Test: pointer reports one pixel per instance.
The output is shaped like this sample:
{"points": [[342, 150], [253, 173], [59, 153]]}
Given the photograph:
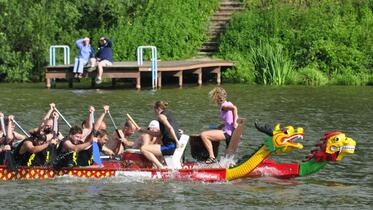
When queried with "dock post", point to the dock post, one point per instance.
{"points": [[199, 72], [217, 71], [160, 79]]}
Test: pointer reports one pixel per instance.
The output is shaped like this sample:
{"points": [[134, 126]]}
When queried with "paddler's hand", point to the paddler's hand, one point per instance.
{"points": [[53, 141], [56, 115], [7, 148], [235, 124], [52, 105], [123, 141], [91, 109], [48, 137], [178, 145], [106, 109], [11, 117], [60, 136], [1, 114]]}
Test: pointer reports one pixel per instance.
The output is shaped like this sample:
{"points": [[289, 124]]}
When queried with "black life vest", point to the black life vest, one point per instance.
{"points": [[41, 158], [167, 138]]}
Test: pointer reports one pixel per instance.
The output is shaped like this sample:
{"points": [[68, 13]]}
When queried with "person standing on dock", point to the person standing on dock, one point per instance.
{"points": [[104, 57], [229, 116], [85, 54]]}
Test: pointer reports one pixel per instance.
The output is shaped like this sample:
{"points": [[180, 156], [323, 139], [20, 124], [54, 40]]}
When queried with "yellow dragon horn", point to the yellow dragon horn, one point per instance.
{"points": [[277, 127]]}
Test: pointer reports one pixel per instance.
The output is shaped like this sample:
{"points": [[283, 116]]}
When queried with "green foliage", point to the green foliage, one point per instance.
{"points": [[333, 35], [272, 66], [241, 72], [176, 27], [312, 77], [347, 77]]}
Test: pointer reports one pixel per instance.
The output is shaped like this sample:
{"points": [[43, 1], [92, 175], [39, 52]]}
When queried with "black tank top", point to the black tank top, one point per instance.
{"points": [[28, 158], [167, 138]]}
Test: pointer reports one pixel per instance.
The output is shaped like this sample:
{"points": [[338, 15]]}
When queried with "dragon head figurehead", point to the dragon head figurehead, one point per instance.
{"points": [[283, 139], [334, 146]]}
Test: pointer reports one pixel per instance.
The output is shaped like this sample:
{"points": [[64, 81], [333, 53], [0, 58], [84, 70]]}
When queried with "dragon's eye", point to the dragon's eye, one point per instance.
{"points": [[337, 139], [286, 132]]}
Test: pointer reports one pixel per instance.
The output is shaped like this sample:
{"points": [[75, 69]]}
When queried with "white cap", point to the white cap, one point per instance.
{"points": [[154, 124]]}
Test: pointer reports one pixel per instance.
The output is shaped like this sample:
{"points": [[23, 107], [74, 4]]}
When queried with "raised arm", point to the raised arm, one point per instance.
{"points": [[10, 129], [48, 114], [101, 118], [89, 123], [1, 126], [79, 43]]}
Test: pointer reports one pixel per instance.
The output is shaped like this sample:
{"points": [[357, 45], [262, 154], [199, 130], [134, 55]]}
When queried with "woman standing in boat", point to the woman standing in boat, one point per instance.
{"points": [[169, 132], [229, 116]]}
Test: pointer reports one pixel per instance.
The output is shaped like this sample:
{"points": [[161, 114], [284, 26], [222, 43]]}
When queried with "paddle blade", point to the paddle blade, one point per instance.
{"points": [[96, 153]]}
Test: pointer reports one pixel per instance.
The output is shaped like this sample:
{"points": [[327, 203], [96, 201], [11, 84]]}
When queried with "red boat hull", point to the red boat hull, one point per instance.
{"points": [[136, 165]]}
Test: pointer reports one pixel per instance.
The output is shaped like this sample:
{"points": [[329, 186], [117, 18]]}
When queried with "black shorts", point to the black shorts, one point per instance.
{"points": [[168, 149], [227, 139]]}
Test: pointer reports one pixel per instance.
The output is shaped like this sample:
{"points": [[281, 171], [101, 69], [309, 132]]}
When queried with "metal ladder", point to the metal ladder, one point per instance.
{"points": [[52, 57], [154, 65], [52, 54]]}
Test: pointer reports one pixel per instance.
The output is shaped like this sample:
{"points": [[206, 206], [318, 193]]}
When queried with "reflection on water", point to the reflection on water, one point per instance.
{"points": [[346, 184]]}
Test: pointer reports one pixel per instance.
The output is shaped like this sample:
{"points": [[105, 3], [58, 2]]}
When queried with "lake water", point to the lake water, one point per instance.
{"points": [[343, 185]]}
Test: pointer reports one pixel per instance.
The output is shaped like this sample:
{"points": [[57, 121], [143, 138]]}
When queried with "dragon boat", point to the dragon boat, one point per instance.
{"points": [[134, 164], [334, 146]]}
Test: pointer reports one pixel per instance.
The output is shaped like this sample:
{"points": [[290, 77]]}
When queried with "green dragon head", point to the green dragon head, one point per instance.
{"points": [[333, 147], [283, 139]]}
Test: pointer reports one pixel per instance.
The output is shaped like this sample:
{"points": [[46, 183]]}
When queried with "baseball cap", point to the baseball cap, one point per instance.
{"points": [[153, 124]]}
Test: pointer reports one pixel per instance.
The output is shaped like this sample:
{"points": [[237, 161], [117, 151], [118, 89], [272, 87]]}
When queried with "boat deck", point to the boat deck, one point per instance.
{"points": [[130, 69]]}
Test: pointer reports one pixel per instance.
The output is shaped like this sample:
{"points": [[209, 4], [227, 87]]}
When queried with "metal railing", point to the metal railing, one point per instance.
{"points": [[154, 65], [52, 54]]}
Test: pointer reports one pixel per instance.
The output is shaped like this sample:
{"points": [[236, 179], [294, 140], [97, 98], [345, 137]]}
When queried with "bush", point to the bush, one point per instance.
{"points": [[271, 64], [241, 72], [347, 77], [176, 27], [334, 35], [312, 77]]}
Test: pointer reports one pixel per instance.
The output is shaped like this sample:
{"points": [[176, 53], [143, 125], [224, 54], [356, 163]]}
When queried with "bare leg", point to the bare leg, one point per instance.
{"points": [[100, 69], [209, 136], [150, 152]]}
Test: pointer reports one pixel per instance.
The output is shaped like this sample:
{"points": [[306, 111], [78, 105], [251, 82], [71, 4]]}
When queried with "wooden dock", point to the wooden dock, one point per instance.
{"points": [[131, 70]]}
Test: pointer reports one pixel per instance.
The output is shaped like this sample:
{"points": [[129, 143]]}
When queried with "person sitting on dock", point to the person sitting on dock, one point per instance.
{"points": [[84, 55], [229, 116], [104, 57], [169, 133]]}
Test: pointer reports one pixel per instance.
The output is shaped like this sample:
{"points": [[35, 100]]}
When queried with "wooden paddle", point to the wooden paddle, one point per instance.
{"points": [[23, 131], [59, 113], [133, 121], [120, 134]]}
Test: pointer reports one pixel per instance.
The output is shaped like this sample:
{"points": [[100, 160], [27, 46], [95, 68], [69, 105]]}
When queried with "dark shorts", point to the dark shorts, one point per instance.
{"points": [[227, 139], [168, 149]]}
